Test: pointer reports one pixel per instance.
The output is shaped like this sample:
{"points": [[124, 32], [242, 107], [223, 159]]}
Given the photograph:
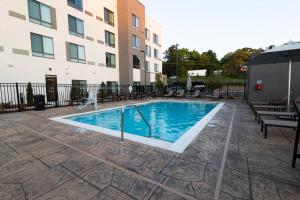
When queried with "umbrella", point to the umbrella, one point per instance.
{"points": [[188, 83], [287, 51]]}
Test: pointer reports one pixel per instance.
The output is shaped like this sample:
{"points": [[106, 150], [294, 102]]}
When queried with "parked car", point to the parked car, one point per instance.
{"points": [[199, 85]]}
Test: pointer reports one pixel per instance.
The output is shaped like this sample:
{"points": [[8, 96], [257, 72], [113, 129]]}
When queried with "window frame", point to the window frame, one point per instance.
{"points": [[156, 66], [76, 27], [156, 53], [147, 35], [42, 54], [155, 38], [136, 65], [148, 51], [73, 5], [77, 60], [135, 21], [40, 21], [107, 21], [108, 60], [109, 43], [136, 40]]}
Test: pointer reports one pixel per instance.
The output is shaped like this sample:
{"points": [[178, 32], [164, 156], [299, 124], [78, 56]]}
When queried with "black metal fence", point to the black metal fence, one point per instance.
{"points": [[17, 97]]}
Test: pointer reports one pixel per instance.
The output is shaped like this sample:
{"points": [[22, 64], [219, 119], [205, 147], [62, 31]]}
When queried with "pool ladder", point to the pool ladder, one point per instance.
{"points": [[122, 119]]}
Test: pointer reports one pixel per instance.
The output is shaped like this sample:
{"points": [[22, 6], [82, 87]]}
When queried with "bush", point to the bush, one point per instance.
{"points": [[29, 94], [159, 84], [214, 83]]}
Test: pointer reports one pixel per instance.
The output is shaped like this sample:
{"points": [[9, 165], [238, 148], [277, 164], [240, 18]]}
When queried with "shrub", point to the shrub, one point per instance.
{"points": [[29, 94]]}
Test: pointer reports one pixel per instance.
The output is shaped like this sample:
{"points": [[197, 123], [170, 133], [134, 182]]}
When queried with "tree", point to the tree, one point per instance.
{"points": [[188, 60], [29, 94], [233, 61], [209, 61], [159, 84]]}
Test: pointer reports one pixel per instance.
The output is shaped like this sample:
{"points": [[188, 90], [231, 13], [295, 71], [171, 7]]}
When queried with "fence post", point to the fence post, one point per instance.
{"points": [[245, 91], [18, 97], [227, 92]]}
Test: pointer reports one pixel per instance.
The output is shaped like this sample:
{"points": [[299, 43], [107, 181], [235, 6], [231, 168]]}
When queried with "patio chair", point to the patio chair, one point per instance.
{"points": [[265, 123], [295, 152], [215, 95], [259, 114], [180, 93], [171, 93]]}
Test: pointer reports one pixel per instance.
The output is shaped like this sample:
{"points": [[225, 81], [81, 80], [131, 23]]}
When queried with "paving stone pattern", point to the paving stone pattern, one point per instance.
{"points": [[35, 167]]}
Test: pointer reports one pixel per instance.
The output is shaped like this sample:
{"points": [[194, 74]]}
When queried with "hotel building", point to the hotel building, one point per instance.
{"points": [[73, 41]]}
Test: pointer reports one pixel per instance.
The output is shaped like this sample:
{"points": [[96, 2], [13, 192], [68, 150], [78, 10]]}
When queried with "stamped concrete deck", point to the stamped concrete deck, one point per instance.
{"points": [[43, 159]]}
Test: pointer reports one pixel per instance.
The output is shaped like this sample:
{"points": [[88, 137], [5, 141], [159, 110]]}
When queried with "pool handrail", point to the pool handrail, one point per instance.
{"points": [[122, 120]]}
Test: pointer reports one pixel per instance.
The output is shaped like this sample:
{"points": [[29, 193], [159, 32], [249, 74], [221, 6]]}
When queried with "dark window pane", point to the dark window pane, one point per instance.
{"points": [[36, 43], [72, 24], [73, 51], [34, 9]]}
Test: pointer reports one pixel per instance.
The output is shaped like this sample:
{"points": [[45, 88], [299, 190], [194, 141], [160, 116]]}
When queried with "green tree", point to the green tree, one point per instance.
{"points": [[188, 60], [233, 61], [209, 61], [159, 83], [29, 94]]}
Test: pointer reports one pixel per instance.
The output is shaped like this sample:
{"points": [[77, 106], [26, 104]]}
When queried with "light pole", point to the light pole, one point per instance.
{"points": [[176, 66]]}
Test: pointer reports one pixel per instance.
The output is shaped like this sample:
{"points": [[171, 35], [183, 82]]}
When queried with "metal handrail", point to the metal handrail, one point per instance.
{"points": [[122, 120]]}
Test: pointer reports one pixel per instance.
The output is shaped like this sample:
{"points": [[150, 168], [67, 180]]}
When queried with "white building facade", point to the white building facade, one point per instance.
{"points": [[65, 40]]}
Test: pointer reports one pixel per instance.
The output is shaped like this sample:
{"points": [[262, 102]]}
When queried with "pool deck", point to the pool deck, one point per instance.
{"points": [[230, 159]]}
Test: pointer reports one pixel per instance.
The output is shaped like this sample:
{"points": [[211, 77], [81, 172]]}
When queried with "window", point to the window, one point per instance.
{"points": [[148, 65], [112, 87], [42, 46], [110, 60], [40, 13], [135, 21], [147, 34], [76, 53], [79, 90], [109, 17], [109, 39], [75, 4], [155, 39], [148, 51], [156, 53], [135, 41], [76, 26], [136, 62], [156, 67]]}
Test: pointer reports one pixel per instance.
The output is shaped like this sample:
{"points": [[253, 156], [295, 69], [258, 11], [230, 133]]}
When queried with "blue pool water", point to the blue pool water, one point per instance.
{"points": [[168, 120]]}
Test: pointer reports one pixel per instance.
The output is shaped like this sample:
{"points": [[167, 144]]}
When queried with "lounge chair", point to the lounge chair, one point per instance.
{"points": [[180, 93], [268, 107], [196, 94], [295, 152], [215, 95], [259, 114], [274, 102], [265, 123], [171, 93], [92, 99]]}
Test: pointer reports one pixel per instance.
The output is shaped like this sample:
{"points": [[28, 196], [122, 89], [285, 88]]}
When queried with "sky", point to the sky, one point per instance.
{"points": [[225, 25]]}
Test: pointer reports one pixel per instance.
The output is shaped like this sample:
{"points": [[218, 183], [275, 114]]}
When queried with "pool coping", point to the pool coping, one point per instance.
{"points": [[178, 146]]}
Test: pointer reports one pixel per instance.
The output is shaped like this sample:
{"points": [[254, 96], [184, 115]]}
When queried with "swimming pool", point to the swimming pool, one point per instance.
{"points": [[174, 124]]}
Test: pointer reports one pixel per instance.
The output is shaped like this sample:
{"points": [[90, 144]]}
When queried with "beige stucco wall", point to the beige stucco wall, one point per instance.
{"points": [[154, 27], [15, 33]]}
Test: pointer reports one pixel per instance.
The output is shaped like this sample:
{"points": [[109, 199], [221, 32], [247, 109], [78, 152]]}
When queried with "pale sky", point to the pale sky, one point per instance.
{"points": [[226, 25]]}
